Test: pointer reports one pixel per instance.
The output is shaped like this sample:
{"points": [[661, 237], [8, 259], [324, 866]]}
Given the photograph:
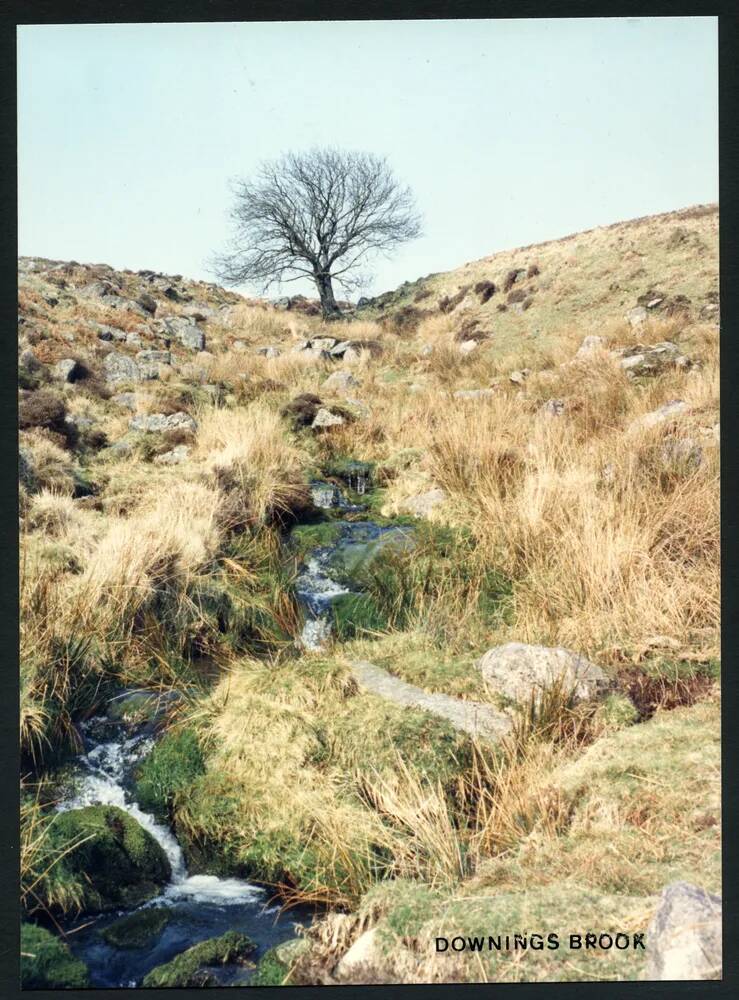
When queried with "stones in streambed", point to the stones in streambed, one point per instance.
{"points": [[115, 862], [138, 706], [684, 937], [479, 720], [517, 672], [191, 967], [137, 929], [47, 963]]}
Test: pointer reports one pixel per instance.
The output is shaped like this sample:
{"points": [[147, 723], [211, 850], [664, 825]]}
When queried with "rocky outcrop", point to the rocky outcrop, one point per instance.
{"points": [[517, 671], [684, 937], [653, 359], [123, 368]]}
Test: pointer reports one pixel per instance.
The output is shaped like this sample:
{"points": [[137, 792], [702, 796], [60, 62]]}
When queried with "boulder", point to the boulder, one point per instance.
{"points": [[156, 357], [159, 423], [67, 370], [517, 671], [176, 456], [123, 368], [591, 345], [684, 937], [186, 331], [109, 333], [192, 966], [340, 381], [128, 400], [325, 418], [641, 360], [468, 346], [422, 504], [117, 863], [339, 349], [519, 377], [668, 411], [324, 343], [365, 953], [636, 316], [147, 302]]}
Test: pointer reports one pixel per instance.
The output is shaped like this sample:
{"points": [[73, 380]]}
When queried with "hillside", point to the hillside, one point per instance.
{"points": [[427, 599]]}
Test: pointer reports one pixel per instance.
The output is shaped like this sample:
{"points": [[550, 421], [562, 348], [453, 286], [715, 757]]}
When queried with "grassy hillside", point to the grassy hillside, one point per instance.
{"points": [[559, 496]]}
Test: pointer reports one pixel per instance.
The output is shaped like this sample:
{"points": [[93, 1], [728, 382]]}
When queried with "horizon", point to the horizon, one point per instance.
{"points": [[488, 121]]}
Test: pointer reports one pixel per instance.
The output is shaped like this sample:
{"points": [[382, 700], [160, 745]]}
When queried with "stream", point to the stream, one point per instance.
{"points": [[206, 906], [202, 906]]}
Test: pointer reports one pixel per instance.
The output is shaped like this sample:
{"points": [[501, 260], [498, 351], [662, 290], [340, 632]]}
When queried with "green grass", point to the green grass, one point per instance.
{"points": [[47, 963], [173, 764]]}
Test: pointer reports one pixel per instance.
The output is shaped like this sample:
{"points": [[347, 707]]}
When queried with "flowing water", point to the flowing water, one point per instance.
{"points": [[202, 906], [321, 578]]}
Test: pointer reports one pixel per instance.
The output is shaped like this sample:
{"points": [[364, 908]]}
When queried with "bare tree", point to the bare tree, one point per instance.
{"points": [[317, 214]]}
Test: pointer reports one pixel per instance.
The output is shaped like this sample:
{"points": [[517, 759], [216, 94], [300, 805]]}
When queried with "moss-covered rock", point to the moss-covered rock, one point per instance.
{"points": [[116, 861], [136, 930], [271, 971], [190, 967], [47, 963]]}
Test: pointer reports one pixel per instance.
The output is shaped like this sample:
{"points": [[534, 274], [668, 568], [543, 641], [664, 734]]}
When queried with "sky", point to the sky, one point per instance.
{"points": [[509, 132]]}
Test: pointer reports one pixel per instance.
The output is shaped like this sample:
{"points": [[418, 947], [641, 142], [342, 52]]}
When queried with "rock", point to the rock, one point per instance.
{"points": [[172, 294], [302, 409], [669, 411], [681, 454], [653, 303], [128, 400], [109, 333], [238, 345], [339, 349], [117, 863], [636, 316], [158, 423], [200, 313], [323, 343], [29, 360], [186, 331], [175, 457], [138, 929], [474, 393], [365, 952], [99, 290], [68, 370], [517, 671], [519, 377], [641, 360], [325, 418], [468, 346], [426, 351], [684, 937], [340, 381], [358, 408], [147, 302], [157, 357], [289, 951], [282, 304], [553, 408], [422, 504], [191, 967], [269, 352], [134, 339], [121, 449], [591, 345], [317, 354], [122, 368], [47, 963]]}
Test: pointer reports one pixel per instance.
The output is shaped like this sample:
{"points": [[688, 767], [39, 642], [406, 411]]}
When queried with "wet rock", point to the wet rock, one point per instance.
{"points": [[192, 966], [138, 929], [340, 381], [517, 671], [159, 423], [117, 863], [684, 937], [325, 418]]}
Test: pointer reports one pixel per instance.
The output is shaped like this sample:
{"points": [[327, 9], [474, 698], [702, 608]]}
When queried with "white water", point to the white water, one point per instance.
{"points": [[104, 768]]}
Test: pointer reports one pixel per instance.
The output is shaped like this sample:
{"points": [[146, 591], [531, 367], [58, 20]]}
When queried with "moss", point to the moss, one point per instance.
{"points": [[618, 711], [116, 861], [313, 536], [172, 765], [47, 963], [190, 967], [270, 971], [137, 930]]}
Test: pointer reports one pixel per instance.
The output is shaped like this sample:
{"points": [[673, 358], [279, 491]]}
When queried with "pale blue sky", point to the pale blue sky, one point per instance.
{"points": [[509, 132]]}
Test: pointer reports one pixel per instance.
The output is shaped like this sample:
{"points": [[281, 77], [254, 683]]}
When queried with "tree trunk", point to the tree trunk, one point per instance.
{"points": [[326, 294]]}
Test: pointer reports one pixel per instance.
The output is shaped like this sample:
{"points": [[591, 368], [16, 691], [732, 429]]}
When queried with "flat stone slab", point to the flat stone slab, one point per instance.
{"points": [[471, 717]]}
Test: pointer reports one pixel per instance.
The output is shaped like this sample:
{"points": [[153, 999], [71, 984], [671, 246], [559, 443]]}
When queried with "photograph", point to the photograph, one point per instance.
{"points": [[368, 502]]}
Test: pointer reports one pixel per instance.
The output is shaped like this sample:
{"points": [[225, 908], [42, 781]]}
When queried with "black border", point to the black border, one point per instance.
{"points": [[90, 11]]}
